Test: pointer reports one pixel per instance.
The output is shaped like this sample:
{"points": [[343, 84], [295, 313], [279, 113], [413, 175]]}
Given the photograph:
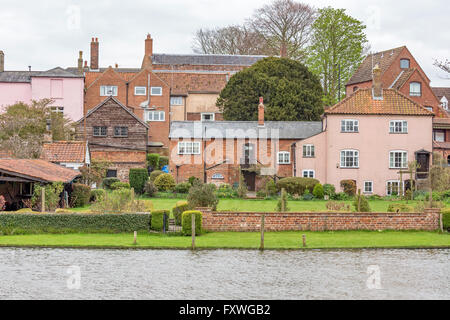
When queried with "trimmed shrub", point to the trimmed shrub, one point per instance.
{"points": [[150, 188], [107, 182], [226, 191], [97, 194], [329, 190], [296, 185], [120, 185], [363, 204], [202, 195], [73, 223], [80, 195], [318, 192], [446, 218], [163, 161], [182, 187], [153, 160], [178, 210], [165, 182], [154, 174], [158, 220], [349, 187], [186, 225], [138, 177], [400, 208]]}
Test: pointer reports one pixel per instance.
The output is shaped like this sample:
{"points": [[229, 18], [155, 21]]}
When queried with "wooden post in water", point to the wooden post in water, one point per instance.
{"points": [[304, 240], [43, 199], [135, 238], [263, 218], [193, 230]]}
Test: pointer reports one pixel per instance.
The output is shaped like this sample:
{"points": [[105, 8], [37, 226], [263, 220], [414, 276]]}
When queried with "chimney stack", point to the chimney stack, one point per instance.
{"points": [[80, 62], [261, 112], [377, 88], [94, 53], [147, 61], [2, 61]]}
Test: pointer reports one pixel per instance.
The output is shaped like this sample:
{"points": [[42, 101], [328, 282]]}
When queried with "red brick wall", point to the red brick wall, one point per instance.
{"points": [[320, 221]]}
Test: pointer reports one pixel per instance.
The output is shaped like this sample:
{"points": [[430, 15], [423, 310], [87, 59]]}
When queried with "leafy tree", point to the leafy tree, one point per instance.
{"points": [[337, 42], [52, 195], [290, 91]]}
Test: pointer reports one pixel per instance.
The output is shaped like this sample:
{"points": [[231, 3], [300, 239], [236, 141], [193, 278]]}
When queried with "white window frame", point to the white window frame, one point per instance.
{"points": [[343, 156], [178, 101], [309, 151], [285, 157], [415, 93], [371, 187], [140, 88], [57, 109], [429, 108], [398, 185], [152, 117], [105, 89], [444, 103], [208, 113], [308, 171], [188, 147], [156, 94], [393, 126], [100, 135], [403, 160], [345, 127]]}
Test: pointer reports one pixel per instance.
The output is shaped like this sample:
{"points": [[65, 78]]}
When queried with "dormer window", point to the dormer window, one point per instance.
{"points": [[415, 89], [404, 63]]}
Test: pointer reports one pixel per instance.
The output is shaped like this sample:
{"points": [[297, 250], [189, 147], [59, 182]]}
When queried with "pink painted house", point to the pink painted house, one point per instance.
{"points": [[63, 87], [369, 137]]}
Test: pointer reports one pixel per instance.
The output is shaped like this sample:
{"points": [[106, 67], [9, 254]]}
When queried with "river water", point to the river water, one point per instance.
{"points": [[224, 274]]}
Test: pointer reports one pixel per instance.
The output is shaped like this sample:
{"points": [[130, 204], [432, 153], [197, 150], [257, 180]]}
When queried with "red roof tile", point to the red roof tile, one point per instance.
{"points": [[64, 151], [393, 102], [38, 170]]}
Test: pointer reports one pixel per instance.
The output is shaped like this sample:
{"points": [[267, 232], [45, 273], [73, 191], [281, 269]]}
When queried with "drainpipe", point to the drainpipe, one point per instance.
{"points": [[294, 163]]}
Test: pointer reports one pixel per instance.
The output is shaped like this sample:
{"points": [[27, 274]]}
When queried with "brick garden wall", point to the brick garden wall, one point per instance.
{"points": [[320, 221]]}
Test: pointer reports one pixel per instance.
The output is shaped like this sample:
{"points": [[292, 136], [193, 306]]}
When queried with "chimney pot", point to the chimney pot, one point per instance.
{"points": [[94, 53], [261, 112]]}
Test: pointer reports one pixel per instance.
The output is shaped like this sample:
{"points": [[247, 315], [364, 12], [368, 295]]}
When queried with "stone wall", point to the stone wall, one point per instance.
{"points": [[320, 221]]}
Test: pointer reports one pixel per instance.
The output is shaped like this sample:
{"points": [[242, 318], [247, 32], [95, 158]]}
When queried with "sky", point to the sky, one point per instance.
{"points": [[50, 33]]}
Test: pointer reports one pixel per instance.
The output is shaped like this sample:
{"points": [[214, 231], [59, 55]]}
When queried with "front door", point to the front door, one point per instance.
{"points": [[423, 159], [250, 179]]}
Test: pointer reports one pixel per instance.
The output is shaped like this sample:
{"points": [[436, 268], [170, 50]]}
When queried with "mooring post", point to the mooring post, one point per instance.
{"points": [[304, 240], [261, 246], [42, 199], [193, 230], [135, 238]]}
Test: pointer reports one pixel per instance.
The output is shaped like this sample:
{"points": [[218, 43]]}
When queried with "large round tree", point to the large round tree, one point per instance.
{"points": [[290, 91]]}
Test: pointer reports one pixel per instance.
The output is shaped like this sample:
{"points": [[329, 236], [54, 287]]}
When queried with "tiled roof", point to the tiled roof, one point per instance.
{"points": [[120, 156], [183, 83], [441, 145], [38, 170], [402, 78], [441, 92], [25, 76], [441, 123], [384, 59], [64, 151], [393, 102], [205, 59]]}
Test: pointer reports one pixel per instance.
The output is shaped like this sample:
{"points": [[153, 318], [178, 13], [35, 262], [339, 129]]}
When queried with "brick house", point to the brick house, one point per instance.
{"points": [[217, 152], [70, 154], [370, 137], [400, 71], [115, 134], [167, 87], [441, 126]]}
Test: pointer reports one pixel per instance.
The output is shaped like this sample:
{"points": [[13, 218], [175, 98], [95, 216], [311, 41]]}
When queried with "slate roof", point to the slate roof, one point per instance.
{"points": [[38, 170], [383, 58], [25, 76], [205, 59], [393, 103], [64, 151], [244, 129]]}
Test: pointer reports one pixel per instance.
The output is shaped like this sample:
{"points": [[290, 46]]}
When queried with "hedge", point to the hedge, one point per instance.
{"points": [[97, 194], [73, 223], [138, 177], [153, 160], [178, 210], [80, 195], [400, 207], [297, 185], [120, 185], [186, 226], [158, 220], [154, 174], [446, 218], [107, 182]]}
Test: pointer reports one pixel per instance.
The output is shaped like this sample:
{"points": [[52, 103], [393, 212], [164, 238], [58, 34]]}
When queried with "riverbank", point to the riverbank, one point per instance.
{"points": [[237, 240]]}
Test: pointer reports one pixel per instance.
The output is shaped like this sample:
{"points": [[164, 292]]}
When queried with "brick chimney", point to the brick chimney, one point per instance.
{"points": [[94, 53], [261, 112], [2, 61], [147, 61], [377, 88], [80, 62]]}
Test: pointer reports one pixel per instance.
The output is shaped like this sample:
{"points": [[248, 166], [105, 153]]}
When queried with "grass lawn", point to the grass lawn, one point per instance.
{"points": [[250, 240]]}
